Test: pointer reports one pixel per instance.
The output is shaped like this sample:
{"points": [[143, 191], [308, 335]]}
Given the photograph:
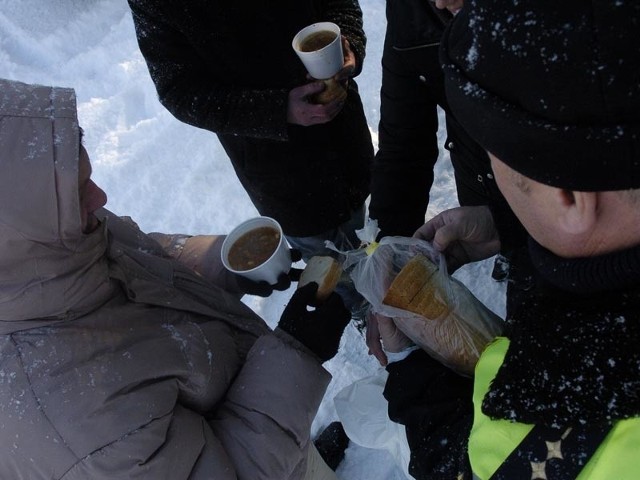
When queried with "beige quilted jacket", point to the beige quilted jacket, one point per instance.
{"points": [[117, 362]]}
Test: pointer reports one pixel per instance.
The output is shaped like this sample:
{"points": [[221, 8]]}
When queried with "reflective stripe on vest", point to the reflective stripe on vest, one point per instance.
{"points": [[492, 441]]}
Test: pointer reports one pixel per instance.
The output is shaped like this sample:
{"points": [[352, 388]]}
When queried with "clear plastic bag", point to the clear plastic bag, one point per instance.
{"points": [[457, 337]]}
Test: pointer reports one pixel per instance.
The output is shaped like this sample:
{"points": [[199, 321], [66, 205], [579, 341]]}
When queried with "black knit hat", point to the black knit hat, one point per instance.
{"points": [[551, 87]]}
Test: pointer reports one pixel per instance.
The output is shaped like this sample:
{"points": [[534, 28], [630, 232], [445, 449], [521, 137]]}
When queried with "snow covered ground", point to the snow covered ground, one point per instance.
{"points": [[172, 177]]}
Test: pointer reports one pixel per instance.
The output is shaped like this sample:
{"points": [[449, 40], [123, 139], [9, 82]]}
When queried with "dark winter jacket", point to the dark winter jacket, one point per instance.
{"points": [[412, 90], [228, 67], [572, 361]]}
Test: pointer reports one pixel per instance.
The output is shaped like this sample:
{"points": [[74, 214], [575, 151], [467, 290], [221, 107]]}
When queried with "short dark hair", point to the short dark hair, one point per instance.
{"points": [[81, 137]]}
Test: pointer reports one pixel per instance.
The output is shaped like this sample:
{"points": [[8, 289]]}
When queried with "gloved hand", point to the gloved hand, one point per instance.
{"points": [[463, 234], [320, 329], [264, 289], [383, 336]]}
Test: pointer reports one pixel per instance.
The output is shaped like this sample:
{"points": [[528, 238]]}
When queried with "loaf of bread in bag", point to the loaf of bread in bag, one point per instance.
{"points": [[418, 289], [323, 270]]}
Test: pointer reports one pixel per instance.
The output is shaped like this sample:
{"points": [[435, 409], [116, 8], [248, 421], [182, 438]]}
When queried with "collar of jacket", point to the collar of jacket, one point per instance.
{"points": [[613, 271], [573, 357], [415, 24]]}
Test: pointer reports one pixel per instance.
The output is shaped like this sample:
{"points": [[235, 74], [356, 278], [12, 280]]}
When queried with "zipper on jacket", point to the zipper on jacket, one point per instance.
{"points": [[417, 47]]}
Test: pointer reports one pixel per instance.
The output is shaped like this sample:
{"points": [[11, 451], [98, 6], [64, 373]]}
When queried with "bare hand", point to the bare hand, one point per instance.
{"points": [[349, 66], [463, 234], [300, 111], [372, 338], [452, 5], [383, 335]]}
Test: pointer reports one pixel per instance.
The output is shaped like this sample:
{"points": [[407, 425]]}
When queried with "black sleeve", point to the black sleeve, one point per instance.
{"points": [[435, 406], [402, 171], [412, 88], [191, 94]]}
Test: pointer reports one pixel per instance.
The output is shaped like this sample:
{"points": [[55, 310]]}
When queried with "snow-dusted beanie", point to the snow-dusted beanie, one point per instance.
{"points": [[552, 88]]}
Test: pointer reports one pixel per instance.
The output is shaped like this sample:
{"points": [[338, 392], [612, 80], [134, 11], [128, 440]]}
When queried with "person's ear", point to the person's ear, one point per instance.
{"points": [[578, 211]]}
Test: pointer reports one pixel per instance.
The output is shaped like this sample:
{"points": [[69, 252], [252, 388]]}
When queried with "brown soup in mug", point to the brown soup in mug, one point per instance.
{"points": [[253, 248], [317, 41]]}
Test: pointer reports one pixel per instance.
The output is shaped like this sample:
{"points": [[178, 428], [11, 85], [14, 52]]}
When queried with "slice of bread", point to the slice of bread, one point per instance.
{"points": [[429, 301], [323, 270], [333, 90], [417, 289]]}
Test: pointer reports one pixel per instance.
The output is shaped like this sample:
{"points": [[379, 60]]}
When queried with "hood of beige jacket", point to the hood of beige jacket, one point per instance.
{"points": [[49, 269]]}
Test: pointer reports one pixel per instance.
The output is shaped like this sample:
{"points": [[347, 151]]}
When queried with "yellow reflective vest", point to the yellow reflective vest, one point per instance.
{"points": [[492, 441]]}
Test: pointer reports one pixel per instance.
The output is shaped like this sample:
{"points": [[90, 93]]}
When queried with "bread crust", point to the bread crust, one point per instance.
{"points": [[333, 91], [418, 289], [325, 271]]}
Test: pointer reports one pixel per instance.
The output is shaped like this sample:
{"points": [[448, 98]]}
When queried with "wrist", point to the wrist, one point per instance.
{"points": [[393, 357]]}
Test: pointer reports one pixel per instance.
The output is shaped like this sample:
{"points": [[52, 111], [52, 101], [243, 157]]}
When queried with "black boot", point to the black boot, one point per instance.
{"points": [[331, 444]]}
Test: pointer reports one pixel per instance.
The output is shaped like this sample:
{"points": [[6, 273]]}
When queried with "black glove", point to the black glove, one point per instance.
{"points": [[319, 330], [264, 289]]}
